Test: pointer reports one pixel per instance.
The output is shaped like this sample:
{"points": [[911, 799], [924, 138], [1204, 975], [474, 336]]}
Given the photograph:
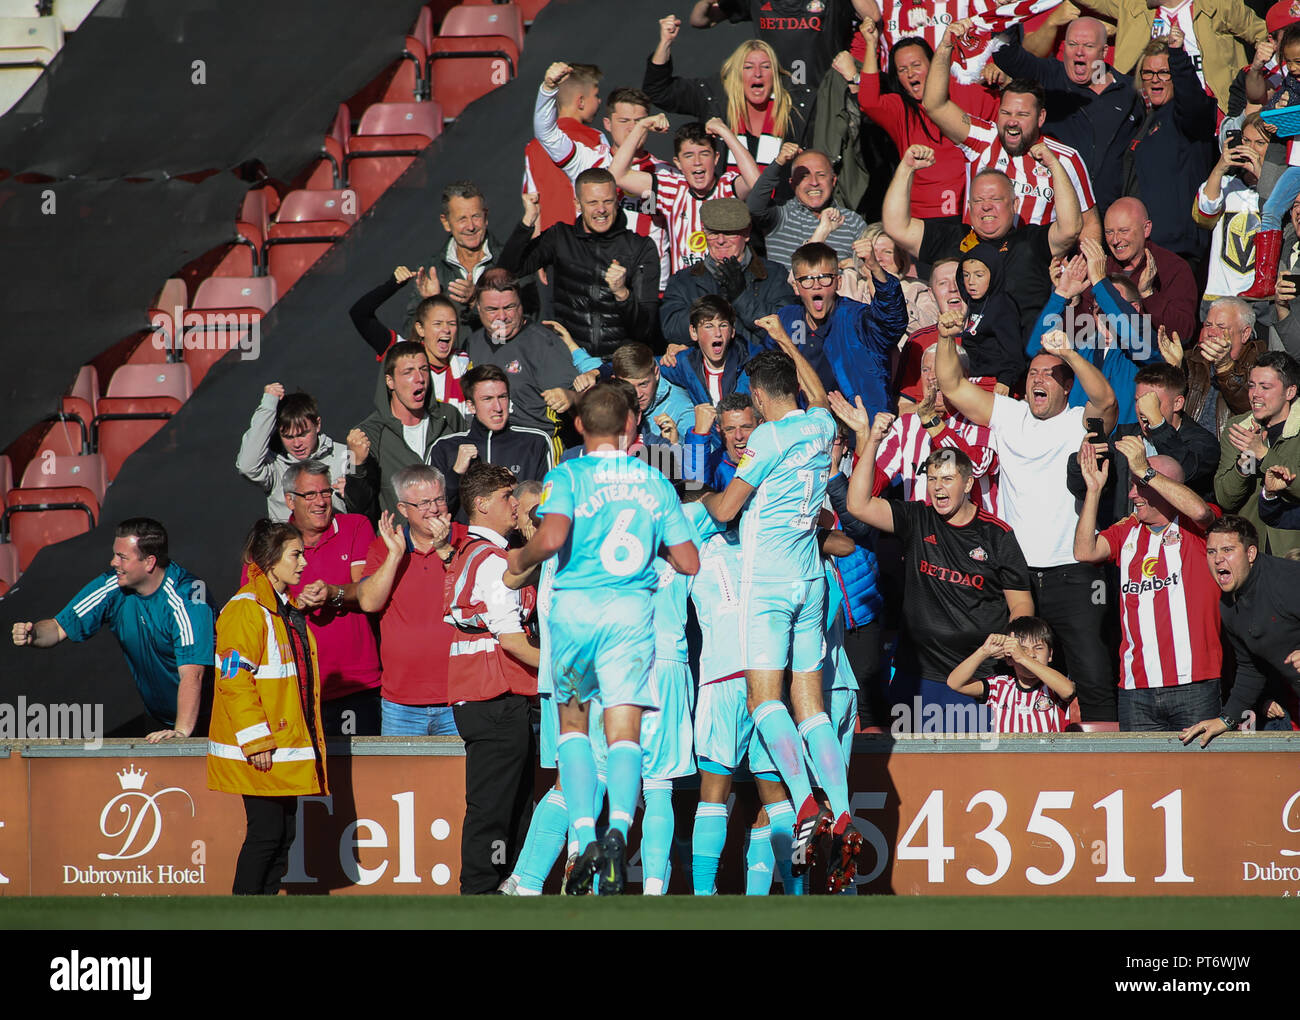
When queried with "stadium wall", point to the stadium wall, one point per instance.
{"points": [[1082, 815]]}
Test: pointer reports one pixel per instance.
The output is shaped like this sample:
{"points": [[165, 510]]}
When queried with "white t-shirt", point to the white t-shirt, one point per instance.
{"points": [[1032, 494], [414, 436]]}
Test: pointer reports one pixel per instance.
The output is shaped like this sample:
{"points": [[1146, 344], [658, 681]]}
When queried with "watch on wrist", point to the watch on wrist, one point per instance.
{"points": [[1148, 474], [337, 600], [1229, 721], [934, 422]]}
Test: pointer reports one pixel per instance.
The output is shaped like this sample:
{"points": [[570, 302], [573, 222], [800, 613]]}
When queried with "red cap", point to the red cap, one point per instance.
{"points": [[1281, 14]]}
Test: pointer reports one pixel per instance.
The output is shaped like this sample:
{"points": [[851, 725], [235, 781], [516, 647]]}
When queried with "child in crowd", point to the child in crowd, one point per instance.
{"points": [[1033, 697]]}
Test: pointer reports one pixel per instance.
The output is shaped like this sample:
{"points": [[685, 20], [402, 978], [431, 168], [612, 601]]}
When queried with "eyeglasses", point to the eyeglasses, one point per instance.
{"points": [[815, 280], [1156, 76], [425, 504], [315, 494]]}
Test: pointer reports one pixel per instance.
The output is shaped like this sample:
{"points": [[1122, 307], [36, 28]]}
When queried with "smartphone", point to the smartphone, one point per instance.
{"points": [[1230, 141], [1098, 429], [1293, 279]]}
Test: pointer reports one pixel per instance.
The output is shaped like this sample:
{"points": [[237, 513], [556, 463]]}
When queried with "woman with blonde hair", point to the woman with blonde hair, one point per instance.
{"points": [[750, 94]]}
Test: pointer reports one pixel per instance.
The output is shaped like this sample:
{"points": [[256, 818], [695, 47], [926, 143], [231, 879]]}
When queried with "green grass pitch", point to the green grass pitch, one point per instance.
{"points": [[636, 912]]}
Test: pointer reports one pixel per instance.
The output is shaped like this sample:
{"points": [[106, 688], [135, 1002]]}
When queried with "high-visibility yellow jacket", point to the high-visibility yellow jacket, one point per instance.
{"points": [[257, 706]]}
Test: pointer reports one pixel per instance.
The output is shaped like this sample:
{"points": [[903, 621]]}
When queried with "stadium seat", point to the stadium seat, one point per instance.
{"points": [[327, 174], [6, 475], [147, 352], [67, 436], [341, 126], [71, 13], [174, 294], [494, 19], [387, 141], [27, 45], [308, 223], [139, 401], [528, 8], [245, 256], [463, 68], [35, 518], [80, 403], [9, 571], [54, 472], [423, 30], [231, 293], [231, 306], [409, 83]]}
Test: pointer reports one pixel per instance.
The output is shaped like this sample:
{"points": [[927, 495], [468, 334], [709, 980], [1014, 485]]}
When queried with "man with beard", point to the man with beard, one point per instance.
{"points": [[1005, 145], [1027, 250], [403, 427], [1034, 439], [1260, 616], [964, 573]]}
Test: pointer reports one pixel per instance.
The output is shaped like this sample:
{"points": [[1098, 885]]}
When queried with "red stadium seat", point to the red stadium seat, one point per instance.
{"points": [[528, 8], [8, 567], [423, 30], [327, 174], [409, 83], [245, 257], [35, 518], [495, 19], [86, 385], [146, 352], [389, 138], [308, 223], [67, 436], [79, 405], [341, 127], [6, 475], [53, 472], [139, 401], [463, 68], [231, 306], [227, 293]]}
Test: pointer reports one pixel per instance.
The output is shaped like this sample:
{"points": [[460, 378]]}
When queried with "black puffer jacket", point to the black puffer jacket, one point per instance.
{"points": [[584, 304]]}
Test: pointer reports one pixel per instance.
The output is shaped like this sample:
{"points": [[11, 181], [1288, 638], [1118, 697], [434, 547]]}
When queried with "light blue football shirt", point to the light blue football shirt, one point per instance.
{"points": [[622, 510], [788, 462]]}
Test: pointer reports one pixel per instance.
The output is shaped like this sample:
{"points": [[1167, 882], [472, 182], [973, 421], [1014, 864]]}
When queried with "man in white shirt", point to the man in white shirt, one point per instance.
{"points": [[1034, 439]]}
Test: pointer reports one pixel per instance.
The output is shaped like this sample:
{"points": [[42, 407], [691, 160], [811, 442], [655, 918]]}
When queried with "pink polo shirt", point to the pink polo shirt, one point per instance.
{"points": [[347, 646]]}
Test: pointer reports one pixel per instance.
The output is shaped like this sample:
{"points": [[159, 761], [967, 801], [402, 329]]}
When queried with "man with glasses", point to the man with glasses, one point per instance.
{"points": [[403, 583], [847, 343], [296, 420], [1177, 131], [752, 285], [334, 547]]}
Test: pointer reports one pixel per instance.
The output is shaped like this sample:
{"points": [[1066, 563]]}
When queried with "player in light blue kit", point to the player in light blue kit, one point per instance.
{"points": [[781, 484], [607, 515]]}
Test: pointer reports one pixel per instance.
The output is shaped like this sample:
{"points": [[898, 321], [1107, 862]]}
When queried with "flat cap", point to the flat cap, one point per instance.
{"points": [[729, 214]]}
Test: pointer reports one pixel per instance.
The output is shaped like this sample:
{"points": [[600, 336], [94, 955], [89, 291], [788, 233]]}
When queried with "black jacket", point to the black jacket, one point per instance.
{"points": [[703, 98], [528, 453], [1194, 447], [1261, 620], [1101, 126], [1178, 134], [584, 304], [767, 291]]}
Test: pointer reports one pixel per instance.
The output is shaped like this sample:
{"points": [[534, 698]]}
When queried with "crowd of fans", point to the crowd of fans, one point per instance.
{"points": [[1060, 346]]}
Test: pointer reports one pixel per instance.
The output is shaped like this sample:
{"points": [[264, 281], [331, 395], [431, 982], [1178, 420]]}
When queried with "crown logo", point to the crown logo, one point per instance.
{"points": [[131, 779]]}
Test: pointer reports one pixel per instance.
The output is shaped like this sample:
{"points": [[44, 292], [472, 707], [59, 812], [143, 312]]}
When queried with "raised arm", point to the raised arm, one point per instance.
{"points": [[1101, 398], [896, 211], [809, 382], [951, 119], [1089, 546], [636, 183], [1064, 233], [1179, 496], [959, 392], [869, 509], [745, 164]]}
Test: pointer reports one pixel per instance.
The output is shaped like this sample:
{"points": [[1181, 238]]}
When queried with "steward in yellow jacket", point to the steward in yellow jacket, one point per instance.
{"points": [[261, 702]]}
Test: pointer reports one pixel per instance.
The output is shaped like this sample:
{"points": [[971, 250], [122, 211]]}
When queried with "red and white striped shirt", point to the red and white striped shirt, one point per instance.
{"points": [[1169, 608], [1016, 710], [681, 207], [908, 444], [929, 19], [1033, 182]]}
